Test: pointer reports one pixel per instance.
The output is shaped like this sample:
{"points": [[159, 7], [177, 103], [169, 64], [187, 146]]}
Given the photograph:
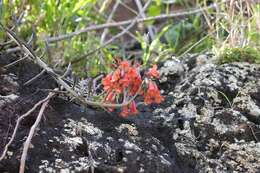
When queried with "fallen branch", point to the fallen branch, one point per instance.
{"points": [[34, 78], [32, 131], [15, 62], [17, 126], [16, 49]]}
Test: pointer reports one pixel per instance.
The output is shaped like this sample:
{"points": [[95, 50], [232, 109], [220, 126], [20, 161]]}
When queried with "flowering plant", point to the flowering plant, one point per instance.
{"points": [[126, 83]]}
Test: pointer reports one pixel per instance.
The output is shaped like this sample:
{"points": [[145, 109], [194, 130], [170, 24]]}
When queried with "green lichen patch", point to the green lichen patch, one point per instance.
{"points": [[246, 54]]}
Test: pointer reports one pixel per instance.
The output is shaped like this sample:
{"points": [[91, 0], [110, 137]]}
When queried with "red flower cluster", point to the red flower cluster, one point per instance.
{"points": [[125, 77], [126, 81]]}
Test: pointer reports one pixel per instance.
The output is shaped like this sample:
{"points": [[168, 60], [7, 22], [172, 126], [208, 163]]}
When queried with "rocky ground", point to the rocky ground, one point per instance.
{"points": [[209, 122]]}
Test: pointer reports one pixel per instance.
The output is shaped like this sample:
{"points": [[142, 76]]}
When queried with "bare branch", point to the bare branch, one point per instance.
{"points": [[16, 49], [17, 126], [128, 7], [47, 49], [67, 72], [150, 29], [120, 27], [32, 131], [58, 78], [13, 50], [126, 22], [15, 62], [133, 22], [34, 78], [109, 19]]}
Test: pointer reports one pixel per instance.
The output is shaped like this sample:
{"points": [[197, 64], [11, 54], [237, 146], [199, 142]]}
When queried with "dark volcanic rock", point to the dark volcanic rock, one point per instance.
{"points": [[72, 140], [209, 122], [214, 113]]}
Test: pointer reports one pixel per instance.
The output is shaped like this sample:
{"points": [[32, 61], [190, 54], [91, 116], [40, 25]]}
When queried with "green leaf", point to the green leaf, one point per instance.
{"points": [[197, 22], [79, 5], [158, 2], [154, 10]]}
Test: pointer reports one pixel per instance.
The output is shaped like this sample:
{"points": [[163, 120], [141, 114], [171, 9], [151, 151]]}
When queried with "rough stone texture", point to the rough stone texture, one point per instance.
{"points": [[214, 113], [209, 122], [8, 86], [72, 139]]}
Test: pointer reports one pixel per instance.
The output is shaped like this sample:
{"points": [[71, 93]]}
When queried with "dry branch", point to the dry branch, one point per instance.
{"points": [[17, 126], [120, 27], [133, 22], [126, 22], [34, 78], [109, 19], [15, 62], [32, 131], [58, 78], [150, 29]]}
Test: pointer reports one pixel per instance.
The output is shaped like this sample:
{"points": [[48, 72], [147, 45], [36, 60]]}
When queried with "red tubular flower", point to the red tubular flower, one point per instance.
{"points": [[125, 111], [133, 109], [116, 76], [135, 86], [107, 82], [110, 97], [153, 72], [129, 110], [136, 81], [152, 94], [124, 65]]}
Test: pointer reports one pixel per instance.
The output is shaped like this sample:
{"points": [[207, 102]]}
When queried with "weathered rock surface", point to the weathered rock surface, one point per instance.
{"points": [[214, 116], [209, 122], [73, 140]]}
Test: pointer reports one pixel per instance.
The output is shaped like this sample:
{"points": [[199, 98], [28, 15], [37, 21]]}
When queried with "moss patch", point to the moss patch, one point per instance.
{"points": [[246, 54]]}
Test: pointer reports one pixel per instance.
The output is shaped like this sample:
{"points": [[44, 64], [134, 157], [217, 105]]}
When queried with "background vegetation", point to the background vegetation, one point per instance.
{"points": [[230, 29]]}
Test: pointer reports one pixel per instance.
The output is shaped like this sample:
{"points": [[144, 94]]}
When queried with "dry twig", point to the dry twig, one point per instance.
{"points": [[32, 131], [126, 22], [16, 49], [133, 22], [58, 78], [15, 62], [109, 19], [17, 126], [120, 27], [150, 29], [253, 133], [34, 78]]}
